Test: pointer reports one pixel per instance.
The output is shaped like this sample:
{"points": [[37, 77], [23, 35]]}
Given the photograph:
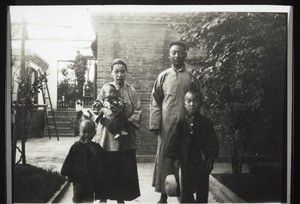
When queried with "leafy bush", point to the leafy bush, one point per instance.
{"points": [[79, 66], [34, 185], [68, 90], [243, 74]]}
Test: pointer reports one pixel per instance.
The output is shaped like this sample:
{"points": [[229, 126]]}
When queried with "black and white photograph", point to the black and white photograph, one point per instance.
{"points": [[149, 104]]}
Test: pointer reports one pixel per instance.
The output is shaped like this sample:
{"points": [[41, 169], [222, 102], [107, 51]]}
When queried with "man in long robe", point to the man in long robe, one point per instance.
{"points": [[166, 109]]}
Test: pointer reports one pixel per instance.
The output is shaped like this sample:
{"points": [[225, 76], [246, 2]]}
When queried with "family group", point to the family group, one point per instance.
{"points": [[102, 164]]}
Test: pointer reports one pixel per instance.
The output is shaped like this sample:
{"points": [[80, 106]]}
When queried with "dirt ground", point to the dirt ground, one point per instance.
{"points": [[50, 154]]}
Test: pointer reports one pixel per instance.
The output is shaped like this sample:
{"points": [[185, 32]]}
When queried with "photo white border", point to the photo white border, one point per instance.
{"points": [[169, 9]]}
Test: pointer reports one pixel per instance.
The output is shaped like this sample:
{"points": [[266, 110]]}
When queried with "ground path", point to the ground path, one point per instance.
{"points": [[50, 154]]}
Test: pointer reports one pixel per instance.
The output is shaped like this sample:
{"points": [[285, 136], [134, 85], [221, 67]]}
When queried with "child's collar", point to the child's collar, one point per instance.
{"points": [[84, 140], [192, 115]]}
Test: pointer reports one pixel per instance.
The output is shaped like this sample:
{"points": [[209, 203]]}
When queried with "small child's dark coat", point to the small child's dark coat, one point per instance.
{"points": [[84, 166]]}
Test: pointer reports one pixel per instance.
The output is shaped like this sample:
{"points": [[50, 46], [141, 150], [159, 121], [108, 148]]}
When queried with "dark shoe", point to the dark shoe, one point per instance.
{"points": [[120, 201], [163, 198]]}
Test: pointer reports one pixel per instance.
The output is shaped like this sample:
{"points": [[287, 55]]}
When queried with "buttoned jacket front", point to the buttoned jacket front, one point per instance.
{"points": [[204, 135]]}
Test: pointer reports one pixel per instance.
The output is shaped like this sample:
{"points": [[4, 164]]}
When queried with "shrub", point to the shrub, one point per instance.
{"points": [[243, 74], [34, 185]]}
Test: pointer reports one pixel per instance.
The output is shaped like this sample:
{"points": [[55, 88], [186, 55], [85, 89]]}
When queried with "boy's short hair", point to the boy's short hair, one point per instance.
{"points": [[195, 92], [88, 125], [180, 43]]}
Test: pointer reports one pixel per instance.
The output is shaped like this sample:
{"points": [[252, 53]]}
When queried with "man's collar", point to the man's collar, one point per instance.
{"points": [[178, 70]]}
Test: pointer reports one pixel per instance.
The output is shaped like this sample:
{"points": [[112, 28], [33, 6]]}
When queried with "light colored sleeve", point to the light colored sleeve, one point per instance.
{"points": [[100, 99], [100, 95], [156, 104], [135, 118]]}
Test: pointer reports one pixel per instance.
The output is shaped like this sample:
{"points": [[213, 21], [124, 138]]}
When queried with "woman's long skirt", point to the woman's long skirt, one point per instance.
{"points": [[122, 176]]}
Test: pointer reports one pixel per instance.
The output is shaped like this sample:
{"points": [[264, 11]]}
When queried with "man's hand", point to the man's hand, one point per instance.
{"points": [[209, 165], [177, 163]]}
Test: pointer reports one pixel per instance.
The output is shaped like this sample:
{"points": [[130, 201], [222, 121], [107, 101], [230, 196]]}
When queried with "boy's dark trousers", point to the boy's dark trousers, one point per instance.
{"points": [[194, 179], [83, 193]]}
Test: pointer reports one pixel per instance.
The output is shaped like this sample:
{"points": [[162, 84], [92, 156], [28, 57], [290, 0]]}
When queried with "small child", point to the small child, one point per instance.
{"points": [[194, 148], [117, 124], [81, 165]]}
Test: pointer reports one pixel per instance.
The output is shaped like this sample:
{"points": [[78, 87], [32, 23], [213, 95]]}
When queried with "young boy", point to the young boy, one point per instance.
{"points": [[194, 148], [81, 165], [116, 125]]}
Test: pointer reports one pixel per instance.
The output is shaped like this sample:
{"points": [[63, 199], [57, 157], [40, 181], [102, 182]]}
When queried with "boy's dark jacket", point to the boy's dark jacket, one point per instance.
{"points": [[83, 162], [205, 137]]}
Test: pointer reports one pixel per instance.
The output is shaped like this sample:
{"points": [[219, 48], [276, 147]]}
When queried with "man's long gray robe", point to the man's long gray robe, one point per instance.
{"points": [[166, 109]]}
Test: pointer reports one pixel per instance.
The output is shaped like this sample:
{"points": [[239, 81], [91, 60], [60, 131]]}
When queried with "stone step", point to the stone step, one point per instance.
{"points": [[63, 119], [62, 124], [61, 130], [65, 114], [66, 111], [59, 134], [65, 130]]}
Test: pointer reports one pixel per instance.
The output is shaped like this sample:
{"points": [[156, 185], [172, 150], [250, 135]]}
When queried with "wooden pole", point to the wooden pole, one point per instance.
{"points": [[22, 57], [15, 135], [23, 135], [23, 78], [19, 119], [95, 80]]}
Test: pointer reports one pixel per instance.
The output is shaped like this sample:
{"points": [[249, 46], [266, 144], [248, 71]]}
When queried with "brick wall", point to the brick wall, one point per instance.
{"points": [[144, 45]]}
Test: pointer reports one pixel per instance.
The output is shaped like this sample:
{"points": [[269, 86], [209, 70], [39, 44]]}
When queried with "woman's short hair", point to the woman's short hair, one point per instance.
{"points": [[118, 61]]}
